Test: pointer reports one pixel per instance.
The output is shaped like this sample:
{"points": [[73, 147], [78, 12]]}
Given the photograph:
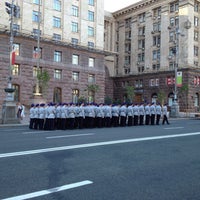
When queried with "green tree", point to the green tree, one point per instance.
{"points": [[161, 97], [44, 78], [130, 90]]}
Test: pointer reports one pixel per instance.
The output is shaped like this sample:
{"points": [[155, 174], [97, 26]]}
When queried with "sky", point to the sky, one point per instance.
{"points": [[114, 5]]}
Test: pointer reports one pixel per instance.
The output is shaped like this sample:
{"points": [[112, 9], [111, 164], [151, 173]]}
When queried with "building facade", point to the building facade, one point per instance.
{"points": [[154, 43], [62, 38]]}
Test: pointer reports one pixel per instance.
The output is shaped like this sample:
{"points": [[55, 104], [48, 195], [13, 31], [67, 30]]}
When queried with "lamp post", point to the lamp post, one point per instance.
{"points": [[38, 53], [9, 106], [175, 105], [9, 90]]}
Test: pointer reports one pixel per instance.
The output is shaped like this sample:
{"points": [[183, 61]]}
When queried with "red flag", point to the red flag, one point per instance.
{"points": [[13, 57]]}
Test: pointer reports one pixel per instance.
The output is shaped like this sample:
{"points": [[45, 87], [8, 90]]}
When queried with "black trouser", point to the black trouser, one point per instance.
{"points": [[152, 119], [107, 122], [63, 123], [130, 120], [123, 121], [165, 119], [157, 119], [80, 122], [41, 124], [135, 120], [147, 119], [115, 121], [31, 124], [141, 119]]}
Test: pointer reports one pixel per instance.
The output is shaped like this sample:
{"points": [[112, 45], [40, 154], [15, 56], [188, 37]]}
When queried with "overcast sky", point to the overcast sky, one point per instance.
{"points": [[113, 5]]}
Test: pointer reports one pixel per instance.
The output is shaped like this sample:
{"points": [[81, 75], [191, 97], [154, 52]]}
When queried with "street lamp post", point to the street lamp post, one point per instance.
{"points": [[175, 105], [9, 106]]}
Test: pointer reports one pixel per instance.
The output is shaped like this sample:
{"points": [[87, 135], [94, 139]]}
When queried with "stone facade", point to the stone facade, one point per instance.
{"points": [[150, 39], [60, 72]]}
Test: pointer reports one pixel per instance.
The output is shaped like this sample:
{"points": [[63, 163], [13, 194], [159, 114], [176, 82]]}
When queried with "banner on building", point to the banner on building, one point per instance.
{"points": [[179, 79]]}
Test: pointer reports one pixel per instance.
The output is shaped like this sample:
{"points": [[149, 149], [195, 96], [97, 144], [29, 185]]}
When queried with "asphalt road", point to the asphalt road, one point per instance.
{"points": [[132, 163]]}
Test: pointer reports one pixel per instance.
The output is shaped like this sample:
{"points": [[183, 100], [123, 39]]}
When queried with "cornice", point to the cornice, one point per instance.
{"points": [[135, 7]]}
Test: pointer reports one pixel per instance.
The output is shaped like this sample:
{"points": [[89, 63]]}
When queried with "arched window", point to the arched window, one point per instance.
{"points": [[196, 100], [57, 95], [154, 98], [170, 99], [16, 92], [75, 95], [91, 96]]}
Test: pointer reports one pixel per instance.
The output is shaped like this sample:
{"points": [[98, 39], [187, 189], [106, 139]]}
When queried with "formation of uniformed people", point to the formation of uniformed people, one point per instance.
{"points": [[70, 116]]}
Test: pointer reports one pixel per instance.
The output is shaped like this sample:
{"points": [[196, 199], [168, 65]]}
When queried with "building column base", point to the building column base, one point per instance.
{"points": [[174, 110], [9, 113]]}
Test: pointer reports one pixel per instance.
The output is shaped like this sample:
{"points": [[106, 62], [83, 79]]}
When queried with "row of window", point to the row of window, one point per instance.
{"points": [[57, 94], [57, 74], [57, 57], [57, 3]]}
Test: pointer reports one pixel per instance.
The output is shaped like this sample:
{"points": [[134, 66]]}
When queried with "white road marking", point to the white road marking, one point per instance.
{"points": [[65, 136], [49, 191], [35, 132], [171, 128], [79, 146]]}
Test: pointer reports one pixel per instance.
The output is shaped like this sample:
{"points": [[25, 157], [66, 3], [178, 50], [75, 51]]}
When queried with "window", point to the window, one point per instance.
{"points": [[57, 95], [196, 6], [91, 78], [57, 5], [141, 31], [142, 17], [90, 16], [196, 100], [141, 44], [16, 48], [91, 2], [37, 53], [57, 74], [196, 51], [56, 37], [74, 41], [91, 44], [75, 76], [36, 16], [127, 60], [141, 57], [37, 2], [75, 95], [90, 31], [57, 56], [91, 62], [36, 32], [74, 11], [196, 35], [156, 55], [140, 69], [156, 67], [156, 40], [196, 21], [15, 70], [157, 27], [35, 71], [74, 27], [75, 59], [56, 22], [174, 6]]}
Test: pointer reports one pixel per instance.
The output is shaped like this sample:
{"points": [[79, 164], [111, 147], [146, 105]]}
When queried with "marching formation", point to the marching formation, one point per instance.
{"points": [[71, 116]]}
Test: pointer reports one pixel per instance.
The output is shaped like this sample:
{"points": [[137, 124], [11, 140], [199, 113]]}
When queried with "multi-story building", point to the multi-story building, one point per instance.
{"points": [[151, 40], [65, 38]]}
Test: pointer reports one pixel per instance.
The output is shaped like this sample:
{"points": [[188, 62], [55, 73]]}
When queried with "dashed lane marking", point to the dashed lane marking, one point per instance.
{"points": [[79, 146], [50, 191], [171, 128], [66, 136]]}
